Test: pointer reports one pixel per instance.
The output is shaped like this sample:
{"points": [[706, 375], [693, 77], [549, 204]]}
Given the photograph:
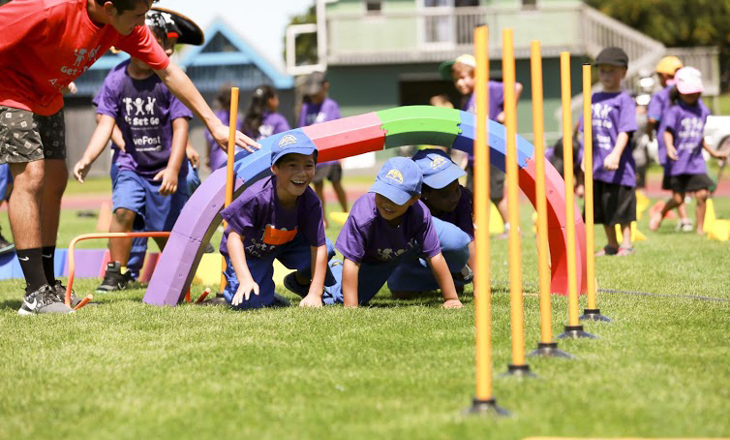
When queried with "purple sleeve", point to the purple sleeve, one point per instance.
{"points": [[334, 111], [303, 115], [654, 111], [108, 100], [466, 213], [427, 233], [312, 224], [354, 234], [627, 117], [178, 109], [240, 214], [670, 120]]}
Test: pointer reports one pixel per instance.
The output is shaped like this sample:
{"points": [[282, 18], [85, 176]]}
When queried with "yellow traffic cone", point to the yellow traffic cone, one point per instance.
{"points": [[709, 217], [720, 230], [642, 203], [496, 225], [339, 217]]}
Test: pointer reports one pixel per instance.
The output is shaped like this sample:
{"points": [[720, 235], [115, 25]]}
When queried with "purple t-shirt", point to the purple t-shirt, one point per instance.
{"points": [[271, 124], [367, 237], [613, 113], [687, 125], [144, 111], [463, 215], [659, 103], [496, 105], [216, 155], [311, 114], [264, 224]]}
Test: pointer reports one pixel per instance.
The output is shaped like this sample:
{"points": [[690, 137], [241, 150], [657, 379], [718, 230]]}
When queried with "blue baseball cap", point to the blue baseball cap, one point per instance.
{"points": [[399, 179], [292, 142], [437, 167]]}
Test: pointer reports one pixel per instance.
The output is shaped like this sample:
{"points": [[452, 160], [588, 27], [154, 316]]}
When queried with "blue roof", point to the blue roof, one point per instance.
{"points": [[245, 54]]}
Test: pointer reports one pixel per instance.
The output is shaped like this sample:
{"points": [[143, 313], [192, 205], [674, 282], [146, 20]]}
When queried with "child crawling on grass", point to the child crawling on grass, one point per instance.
{"points": [[277, 217], [386, 225]]}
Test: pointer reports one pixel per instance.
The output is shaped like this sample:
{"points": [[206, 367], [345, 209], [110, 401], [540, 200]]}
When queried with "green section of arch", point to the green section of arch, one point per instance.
{"points": [[419, 125]]}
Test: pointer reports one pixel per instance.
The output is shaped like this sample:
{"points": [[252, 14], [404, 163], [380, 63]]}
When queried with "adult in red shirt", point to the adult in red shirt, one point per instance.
{"points": [[44, 46]]}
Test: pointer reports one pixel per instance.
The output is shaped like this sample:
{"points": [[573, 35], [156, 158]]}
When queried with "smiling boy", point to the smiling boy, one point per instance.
{"points": [[44, 46]]}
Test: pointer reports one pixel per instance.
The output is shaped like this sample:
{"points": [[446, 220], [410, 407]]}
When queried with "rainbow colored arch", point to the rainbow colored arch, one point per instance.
{"points": [[349, 137]]}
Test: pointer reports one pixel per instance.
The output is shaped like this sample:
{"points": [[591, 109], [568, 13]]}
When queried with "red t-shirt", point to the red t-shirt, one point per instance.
{"points": [[46, 44]]}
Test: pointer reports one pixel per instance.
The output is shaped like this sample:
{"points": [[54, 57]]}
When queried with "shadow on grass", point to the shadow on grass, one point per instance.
{"points": [[12, 304]]}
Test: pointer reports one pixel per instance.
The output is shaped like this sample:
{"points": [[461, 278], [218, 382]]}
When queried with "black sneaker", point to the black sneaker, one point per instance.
{"points": [[6, 247], [465, 274], [43, 301], [113, 278], [75, 300], [291, 283]]}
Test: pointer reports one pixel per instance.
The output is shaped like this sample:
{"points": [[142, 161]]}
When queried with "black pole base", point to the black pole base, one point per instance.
{"points": [[575, 332], [594, 315], [518, 371], [550, 349], [488, 406]]}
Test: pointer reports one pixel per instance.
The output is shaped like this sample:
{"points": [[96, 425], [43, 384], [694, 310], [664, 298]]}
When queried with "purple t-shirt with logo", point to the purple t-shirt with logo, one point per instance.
{"points": [[311, 114], [496, 105], [265, 225], [367, 237], [144, 111], [463, 215], [271, 124], [687, 125], [657, 106], [613, 113]]}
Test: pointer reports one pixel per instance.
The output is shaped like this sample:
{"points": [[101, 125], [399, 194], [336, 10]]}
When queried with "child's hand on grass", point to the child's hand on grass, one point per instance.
{"points": [[452, 304], [244, 291], [611, 162], [311, 301], [81, 169], [169, 181]]}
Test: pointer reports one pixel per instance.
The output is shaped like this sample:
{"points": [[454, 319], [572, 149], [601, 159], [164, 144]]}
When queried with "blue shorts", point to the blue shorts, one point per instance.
{"points": [[370, 278], [6, 178], [296, 255], [414, 274], [155, 212]]}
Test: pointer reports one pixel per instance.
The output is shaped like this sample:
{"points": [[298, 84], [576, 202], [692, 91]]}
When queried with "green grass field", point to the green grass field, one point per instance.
{"points": [[399, 369]]}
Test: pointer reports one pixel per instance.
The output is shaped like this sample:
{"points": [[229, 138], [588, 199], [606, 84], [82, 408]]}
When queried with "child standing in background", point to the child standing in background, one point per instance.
{"points": [[217, 157], [665, 70], [150, 187], [261, 119], [277, 217], [318, 108], [614, 122], [463, 72], [682, 128], [385, 225]]}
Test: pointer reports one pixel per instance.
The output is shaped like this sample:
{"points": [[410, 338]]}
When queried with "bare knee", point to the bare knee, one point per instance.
{"points": [[702, 195], [56, 177], [124, 218], [678, 198]]}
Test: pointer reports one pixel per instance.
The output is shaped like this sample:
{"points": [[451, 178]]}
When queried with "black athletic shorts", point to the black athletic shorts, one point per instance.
{"points": [[613, 204], [27, 137], [496, 182], [331, 171], [684, 183]]}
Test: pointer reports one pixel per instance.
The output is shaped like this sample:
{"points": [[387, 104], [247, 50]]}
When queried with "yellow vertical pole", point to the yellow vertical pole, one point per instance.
{"points": [[538, 121], [517, 320], [569, 199], [573, 329], [588, 158], [484, 400], [232, 124], [482, 281], [546, 347], [592, 312]]}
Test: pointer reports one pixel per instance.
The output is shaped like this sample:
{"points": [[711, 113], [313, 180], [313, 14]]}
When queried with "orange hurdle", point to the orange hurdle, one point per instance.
{"points": [[72, 261]]}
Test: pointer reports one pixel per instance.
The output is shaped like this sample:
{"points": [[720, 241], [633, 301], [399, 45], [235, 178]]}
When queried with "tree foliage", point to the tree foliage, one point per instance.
{"points": [[677, 23]]}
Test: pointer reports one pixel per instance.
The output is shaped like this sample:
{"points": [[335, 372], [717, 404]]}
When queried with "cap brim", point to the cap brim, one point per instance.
{"points": [[313, 89], [304, 151], [444, 177], [689, 89], [445, 69], [190, 32], [392, 193]]}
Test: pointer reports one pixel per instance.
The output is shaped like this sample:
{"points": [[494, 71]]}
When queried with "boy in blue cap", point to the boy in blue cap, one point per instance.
{"points": [[385, 225], [450, 205], [278, 217]]}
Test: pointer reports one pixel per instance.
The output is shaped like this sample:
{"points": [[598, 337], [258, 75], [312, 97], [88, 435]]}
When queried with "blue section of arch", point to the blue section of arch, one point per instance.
{"points": [[497, 141]]}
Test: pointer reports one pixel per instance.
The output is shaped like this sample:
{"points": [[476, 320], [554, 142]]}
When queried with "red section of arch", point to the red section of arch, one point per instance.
{"points": [[557, 233], [347, 137]]}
